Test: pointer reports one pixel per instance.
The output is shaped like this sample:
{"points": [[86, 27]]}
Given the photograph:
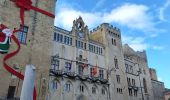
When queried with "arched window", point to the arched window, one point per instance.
{"points": [[54, 85], [81, 88], [93, 90], [114, 42], [145, 85], [67, 87], [103, 91], [116, 63]]}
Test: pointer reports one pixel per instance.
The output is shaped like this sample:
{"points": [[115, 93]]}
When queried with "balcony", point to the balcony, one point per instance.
{"points": [[95, 79], [56, 72], [73, 75], [103, 81], [69, 74], [82, 77], [81, 59], [135, 88]]}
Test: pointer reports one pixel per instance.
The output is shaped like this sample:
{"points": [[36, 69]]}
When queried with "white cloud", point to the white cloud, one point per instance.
{"points": [[137, 43], [66, 16], [157, 47], [160, 79], [162, 10], [131, 15]]}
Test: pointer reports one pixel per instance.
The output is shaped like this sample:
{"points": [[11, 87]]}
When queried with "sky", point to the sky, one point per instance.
{"points": [[144, 25]]}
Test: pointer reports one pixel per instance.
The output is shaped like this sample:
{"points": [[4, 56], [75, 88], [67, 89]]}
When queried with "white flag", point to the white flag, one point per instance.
{"points": [[28, 84]]}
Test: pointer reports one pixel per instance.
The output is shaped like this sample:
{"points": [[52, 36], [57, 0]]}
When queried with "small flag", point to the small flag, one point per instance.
{"points": [[84, 66], [95, 70], [69, 66]]}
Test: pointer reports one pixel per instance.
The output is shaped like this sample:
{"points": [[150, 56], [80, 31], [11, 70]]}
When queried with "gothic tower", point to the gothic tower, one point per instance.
{"points": [[111, 37]]}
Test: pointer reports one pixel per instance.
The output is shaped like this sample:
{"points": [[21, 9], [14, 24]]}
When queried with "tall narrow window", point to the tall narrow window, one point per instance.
{"points": [[118, 78], [128, 80], [126, 67], [22, 34], [84, 45], [133, 82], [130, 92], [55, 36], [135, 93], [70, 41], [94, 48], [101, 50], [67, 87], [80, 57], [65, 39], [80, 70], [131, 68], [94, 90], [145, 85], [55, 64], [101, 74], [68, 66], [60, 36], [91, 72], [97, 50], [114, 42], [116, 63], [79, 44], [54, 85], [81, 88], [103, 91], [76, 44]]}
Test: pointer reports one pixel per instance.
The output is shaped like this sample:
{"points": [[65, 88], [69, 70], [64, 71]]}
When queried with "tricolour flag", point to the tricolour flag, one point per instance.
{"points": [[84, 66], [69, 66], [95, 70]]}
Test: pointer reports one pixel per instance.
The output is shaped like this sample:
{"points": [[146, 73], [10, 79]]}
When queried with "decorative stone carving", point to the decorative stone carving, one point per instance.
{"points": [[79, 28]]}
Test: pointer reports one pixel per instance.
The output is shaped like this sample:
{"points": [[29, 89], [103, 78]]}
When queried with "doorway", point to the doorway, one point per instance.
{"points": [[11, 92]]}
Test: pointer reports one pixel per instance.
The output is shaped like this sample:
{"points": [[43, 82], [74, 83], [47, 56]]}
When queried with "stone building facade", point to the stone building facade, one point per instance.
{"points": [[158, 90], [167, 94], [138, 76], [35, 46], [153, 74], [157, 86], [73, 65], [120, 72]]}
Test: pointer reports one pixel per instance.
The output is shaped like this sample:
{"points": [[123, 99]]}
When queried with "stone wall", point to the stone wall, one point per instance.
{"points": [[36, 51], [158, 90]]}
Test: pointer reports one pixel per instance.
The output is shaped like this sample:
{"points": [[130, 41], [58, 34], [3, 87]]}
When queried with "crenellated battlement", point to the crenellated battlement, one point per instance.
{"points": [[106, 25]]}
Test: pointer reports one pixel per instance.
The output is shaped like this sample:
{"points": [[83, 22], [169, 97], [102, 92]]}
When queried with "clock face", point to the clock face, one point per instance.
{"points": [[81, 34]]}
